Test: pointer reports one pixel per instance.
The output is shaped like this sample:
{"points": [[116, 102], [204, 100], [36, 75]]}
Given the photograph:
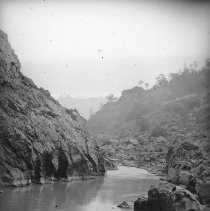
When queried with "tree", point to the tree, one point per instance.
{"points": [[161, 80], [194, 66], [111, 98], [141, 83], [174, 76], [146, 85]]}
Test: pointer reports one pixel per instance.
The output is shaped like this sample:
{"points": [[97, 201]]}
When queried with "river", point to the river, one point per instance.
{"points": [[101, 194]]}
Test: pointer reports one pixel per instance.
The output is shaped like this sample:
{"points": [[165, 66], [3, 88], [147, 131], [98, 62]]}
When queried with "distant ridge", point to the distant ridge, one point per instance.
{"points": [[87, 106]]}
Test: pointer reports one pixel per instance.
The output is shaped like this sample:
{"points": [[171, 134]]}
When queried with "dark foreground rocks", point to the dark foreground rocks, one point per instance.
{"points": [[125, 205], [40, 141], [188, 171], [188, 164], [167, 197], [143, 151]]}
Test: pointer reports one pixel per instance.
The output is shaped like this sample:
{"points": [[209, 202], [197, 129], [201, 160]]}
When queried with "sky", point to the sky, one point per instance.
{"points": [[94, 48]]}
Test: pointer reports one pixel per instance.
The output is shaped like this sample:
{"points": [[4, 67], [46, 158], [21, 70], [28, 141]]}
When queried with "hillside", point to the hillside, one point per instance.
{"points": [[140, 110], [142, 124], [165, 130], [40, 141]]}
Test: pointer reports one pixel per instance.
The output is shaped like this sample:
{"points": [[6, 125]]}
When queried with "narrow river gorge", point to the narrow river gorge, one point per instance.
{"points": [[102, 194]]}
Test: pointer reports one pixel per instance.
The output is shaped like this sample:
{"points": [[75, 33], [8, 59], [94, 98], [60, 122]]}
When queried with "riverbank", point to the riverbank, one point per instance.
{"points": [[183, 163], [103, 193], [52, 180], [128, 185], [154, 171], [168, 196]]}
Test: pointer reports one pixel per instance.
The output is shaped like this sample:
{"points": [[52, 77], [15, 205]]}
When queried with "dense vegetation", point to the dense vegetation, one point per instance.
{"points": [[181, 102]]}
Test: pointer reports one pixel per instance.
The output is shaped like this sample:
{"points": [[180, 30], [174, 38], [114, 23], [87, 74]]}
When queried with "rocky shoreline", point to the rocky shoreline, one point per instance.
{"points": [[186, 183], [182, 162], [168, 197]]}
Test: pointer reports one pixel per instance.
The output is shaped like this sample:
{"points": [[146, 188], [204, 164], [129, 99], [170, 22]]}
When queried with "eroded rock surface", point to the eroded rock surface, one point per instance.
{"points": [[40, 141], [188, 164], [167, 197], [143, 152]]}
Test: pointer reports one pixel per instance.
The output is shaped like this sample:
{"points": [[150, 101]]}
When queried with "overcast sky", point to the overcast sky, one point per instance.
{"points": [[94, 48]]}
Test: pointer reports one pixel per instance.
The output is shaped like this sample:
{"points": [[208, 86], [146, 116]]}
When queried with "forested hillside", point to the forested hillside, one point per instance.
{"points": [[174, 104]]}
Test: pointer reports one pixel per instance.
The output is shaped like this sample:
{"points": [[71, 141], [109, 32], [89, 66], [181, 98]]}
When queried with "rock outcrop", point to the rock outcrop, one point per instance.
{"points": [[188, 164], [125, 205], [40, 141], [141, 151], [167, 197]]}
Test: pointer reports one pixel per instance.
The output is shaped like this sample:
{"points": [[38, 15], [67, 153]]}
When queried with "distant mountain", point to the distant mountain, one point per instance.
{"points": [[86, 106]]}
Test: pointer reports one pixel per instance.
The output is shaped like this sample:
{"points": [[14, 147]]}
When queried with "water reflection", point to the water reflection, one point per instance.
{"points": [[104, 193]]}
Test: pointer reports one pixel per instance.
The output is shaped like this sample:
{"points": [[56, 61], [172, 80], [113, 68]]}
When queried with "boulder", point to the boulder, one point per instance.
{"points": [[167, 197], [188, 165], [159, 199], [125, 205], [185, 177], [203, 186], [173, 175]]}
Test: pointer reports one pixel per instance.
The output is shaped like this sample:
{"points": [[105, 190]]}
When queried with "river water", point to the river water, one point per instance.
{"points": [[101, 194]]}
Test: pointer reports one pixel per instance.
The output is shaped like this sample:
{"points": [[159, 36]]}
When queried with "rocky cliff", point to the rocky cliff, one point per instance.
{"points": [[188, 165], [40, 141]]}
